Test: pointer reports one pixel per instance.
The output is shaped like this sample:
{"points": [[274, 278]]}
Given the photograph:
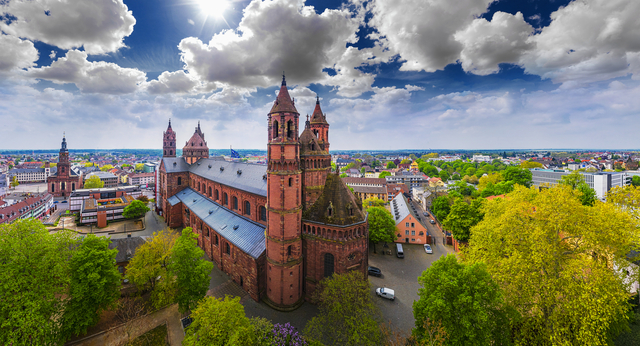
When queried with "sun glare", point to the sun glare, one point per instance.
{"points": [[214, 7]]}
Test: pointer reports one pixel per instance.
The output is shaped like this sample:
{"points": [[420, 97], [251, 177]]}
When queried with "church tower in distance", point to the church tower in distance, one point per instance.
{"points": [[284, 206], [169, 142]]}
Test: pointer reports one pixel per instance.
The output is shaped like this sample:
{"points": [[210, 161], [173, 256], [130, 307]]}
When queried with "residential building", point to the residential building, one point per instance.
{"points": [[149, 167], [142, 178], [5, 184], [410, 179], [278, 229], [109, 179], [28, 174], [423, 196], [364, 192], [341, 163], [35, 206], [78, 196], [600, 182], [481, 158], [409, 224], [370, 182]]}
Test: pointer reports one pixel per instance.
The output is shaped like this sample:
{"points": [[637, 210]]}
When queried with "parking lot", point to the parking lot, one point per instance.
{"points": [[401, 275]]}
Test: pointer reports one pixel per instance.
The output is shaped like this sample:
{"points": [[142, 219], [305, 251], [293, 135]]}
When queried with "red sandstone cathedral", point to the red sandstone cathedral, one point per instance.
{"points": [[276, 230]]}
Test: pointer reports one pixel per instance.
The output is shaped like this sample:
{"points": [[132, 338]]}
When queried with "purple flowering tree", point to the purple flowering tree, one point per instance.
{"points": [[287, 335]]}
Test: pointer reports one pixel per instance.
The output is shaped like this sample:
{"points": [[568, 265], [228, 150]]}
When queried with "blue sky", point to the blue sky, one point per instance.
{"points": [[466, 74]]}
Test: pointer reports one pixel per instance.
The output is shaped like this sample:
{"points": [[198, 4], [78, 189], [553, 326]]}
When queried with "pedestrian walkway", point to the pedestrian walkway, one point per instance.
{"points": [[229, 288]]}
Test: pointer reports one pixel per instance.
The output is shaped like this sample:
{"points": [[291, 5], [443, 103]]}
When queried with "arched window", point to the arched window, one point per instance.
{"points": [[247, 208], [209, 191], [73, 186], [206, 229], [53, 187], [289, 250], [227, 249], [290, 182], [199, 187], [328, 265], [170, 152], [263, 213], [215, 239], [216, 195], [225, 198], [275, 129], [235, 203], [179, 180], [290, 129]]}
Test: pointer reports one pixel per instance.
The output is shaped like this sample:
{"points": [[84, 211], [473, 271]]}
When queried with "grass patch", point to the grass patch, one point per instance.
{"points": [[155, 337]]}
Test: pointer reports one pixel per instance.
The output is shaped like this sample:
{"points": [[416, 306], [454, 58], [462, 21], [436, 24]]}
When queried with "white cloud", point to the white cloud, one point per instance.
{"points": [[190, 21], [486, 44], [422, 32], [90, 77], [97, 25], [177, 82], [276, 36], [52, 55], [16, 53], [588, 41]]}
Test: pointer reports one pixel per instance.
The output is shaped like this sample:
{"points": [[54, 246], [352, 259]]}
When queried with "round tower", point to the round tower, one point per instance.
{"points": [[284, 206]]}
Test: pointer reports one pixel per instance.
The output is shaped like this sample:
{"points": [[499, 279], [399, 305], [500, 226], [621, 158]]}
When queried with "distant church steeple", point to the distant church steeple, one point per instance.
{"points": [[169, 142]]}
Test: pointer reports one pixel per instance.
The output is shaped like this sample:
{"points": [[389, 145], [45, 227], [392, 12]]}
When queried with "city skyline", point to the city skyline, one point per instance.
{"points": [[390, 76]]}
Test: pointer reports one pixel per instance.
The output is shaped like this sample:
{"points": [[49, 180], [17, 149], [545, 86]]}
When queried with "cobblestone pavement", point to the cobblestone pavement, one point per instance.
{"points": [[401, 275]]}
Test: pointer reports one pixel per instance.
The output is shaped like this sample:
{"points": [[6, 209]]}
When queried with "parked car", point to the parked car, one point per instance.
{"points": [[427, 248], [375, 271], [399, 251], [63, 202], [432, 221], [386, 293]]}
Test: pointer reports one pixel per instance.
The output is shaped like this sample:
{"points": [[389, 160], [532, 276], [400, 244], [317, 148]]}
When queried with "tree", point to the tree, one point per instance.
{"points": [[490, 178], [333, 166], [518, 176], [462, 217], [530, 164], [471, 179], [387, 174], [191, 270], [430, 156], [444, 175], [382, 226], [106, 168], [89, 164], [372, 202], [554, 260], [635, 180], [143, 199], [343, 175], [148, 269], [362, 170], [441, 208], [14, 182], [139, 167], [391, 165], [347, 314], [93, 182], [462, 188], [135, 209], [220, 322], [576, 181], [34, 279], [465, 301], [413, 157], [404, 161], [95, 284]]}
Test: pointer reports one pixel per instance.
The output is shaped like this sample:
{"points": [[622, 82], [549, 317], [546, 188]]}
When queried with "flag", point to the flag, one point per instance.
{"points": [[235, 154]]}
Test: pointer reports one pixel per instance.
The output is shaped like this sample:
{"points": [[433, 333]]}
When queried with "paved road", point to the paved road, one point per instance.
{"points": [[401, 275]]}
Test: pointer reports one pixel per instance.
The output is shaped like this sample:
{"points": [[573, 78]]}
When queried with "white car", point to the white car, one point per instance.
{"points": [[427, 248], [386, 293]]}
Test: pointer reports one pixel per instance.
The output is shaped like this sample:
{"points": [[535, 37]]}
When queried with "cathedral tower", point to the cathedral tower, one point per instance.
{"points": [[320, 126], [196, 147], [315, 163], [63, 160], [284, 205], [169, 142]]}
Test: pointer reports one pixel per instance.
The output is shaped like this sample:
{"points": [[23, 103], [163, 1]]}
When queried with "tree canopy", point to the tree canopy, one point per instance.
{"points": [[106, 168], [465, 301], [219, 322], [391, 165], [139, 167], [518, 176], [576, 181], [462, 217], [382, 226], [372, 202], [530, 164], [553, 258], [441, 207], [93, 182], [347, 314], [135, 209], [387, 174]]}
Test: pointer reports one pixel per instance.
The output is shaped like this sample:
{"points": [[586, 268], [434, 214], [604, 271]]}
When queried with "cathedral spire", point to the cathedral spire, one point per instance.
{"points": [[169, 123], [284, 82]]}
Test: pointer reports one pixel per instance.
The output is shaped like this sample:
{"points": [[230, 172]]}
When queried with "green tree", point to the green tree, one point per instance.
{"points": [[135, 209], [343, 175], [143, 199], [554, 260], [530, 164], [333, 166], [576, 181], [191, 270], [441, 208], [347, 314], [93, 182], [391, 165], [430, 156], [34, 280], [14, 182], [465, 301], [413, 157], [405, 161], [220, 322], [372, 202], [95, 284], [493, 178], [462, 217], [382, 226], [444, 175], [387, 174], [517, 176], [139, 167], [362, 170], [106, 168]]}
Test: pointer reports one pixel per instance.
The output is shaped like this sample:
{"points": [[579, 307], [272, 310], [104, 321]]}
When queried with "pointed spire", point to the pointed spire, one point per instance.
{"points": [[317, 116], [317, 99], [283, 102], [307, 124], [169, 123], [284, 82]]}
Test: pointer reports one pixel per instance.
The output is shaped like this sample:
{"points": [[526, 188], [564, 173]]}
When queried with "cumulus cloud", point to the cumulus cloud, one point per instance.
{"points": [[97, 25], [588, 41], [177, 82], [276, 36], [16, 53], [90, 77], [422, 32], [486, 44]]}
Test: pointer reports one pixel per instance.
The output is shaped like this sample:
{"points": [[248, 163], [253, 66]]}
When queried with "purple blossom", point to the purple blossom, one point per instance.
{"points": [[287, 335]]}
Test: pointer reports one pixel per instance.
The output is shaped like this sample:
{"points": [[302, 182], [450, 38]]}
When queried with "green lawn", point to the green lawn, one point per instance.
{"points": [[154, 337]]}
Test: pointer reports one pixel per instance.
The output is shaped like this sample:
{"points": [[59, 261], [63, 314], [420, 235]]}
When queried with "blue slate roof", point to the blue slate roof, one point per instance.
{"points": [[173, 200], [247, 235]]}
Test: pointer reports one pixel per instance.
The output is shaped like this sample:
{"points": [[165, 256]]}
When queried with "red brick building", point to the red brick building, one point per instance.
{"points": [[65, 180], [276, 229]]}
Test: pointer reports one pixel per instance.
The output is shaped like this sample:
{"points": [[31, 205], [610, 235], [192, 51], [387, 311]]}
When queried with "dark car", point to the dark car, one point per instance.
{"points": [[375, 271]]}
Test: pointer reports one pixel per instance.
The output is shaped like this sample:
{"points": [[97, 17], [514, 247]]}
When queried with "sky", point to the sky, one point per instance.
{"points": [[390, 74]]}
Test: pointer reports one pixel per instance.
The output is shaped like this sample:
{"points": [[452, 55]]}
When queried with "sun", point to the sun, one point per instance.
{"points": [[214, 7]]}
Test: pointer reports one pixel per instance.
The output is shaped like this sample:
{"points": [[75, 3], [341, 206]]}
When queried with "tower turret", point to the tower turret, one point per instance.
{"points": [[320, 126], [196, 147], [284, 205], [169, 142]]}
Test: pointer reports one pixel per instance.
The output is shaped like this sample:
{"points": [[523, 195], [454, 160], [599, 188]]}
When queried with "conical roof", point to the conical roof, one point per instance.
{"points": [[283, 102], [196, 141], [337, 197], [309, 142], [317, 117]]}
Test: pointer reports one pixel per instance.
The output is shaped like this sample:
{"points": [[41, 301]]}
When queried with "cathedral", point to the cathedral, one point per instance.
{"points": [[275, 229]]}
